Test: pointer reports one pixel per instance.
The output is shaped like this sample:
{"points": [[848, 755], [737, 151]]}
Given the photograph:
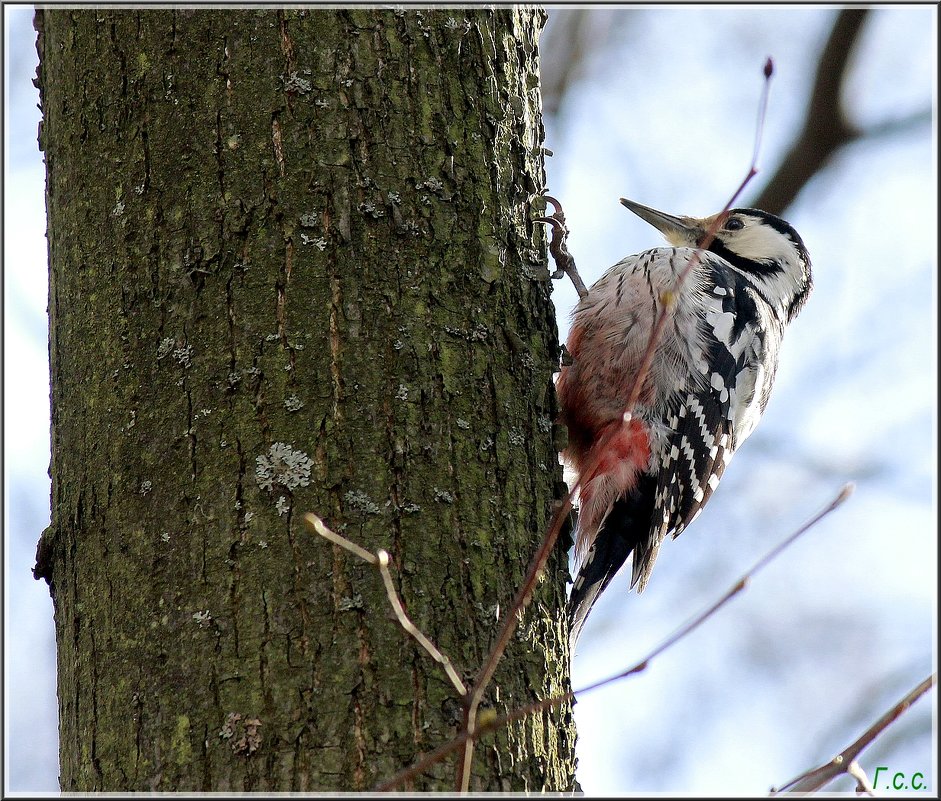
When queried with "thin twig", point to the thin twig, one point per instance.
{"points": [[506, 632], [668, 301], [817, 778], [381, 560], [762, 112], [412, 629], [337, 539], [567, 265], [734, 590], [548, 703], [825, 127], [863, 785]]}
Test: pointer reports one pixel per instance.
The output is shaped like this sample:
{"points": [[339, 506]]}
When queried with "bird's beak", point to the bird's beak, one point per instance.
{"points": [[678, 231]]}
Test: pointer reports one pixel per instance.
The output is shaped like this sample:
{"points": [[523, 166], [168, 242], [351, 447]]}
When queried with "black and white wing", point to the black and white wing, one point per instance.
{"points": [[713, 417]]}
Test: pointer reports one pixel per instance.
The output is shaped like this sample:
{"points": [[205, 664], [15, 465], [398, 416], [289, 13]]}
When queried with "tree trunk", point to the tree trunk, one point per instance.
{"points": [[292, 269]]}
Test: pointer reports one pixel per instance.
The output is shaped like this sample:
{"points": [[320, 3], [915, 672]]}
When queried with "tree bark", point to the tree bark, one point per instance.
{"points": [[292, 269]]}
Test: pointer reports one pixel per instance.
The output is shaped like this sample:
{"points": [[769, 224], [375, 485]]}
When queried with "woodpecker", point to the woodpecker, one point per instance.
{"points": [[646, 472]]}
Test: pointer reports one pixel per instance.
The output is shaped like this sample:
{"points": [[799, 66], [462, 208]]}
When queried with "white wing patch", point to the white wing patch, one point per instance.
{"points": [[721, 323], [718, 384]]}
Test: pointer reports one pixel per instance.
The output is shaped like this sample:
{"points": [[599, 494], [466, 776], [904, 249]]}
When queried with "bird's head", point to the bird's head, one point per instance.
{"points": [[765, 249]]}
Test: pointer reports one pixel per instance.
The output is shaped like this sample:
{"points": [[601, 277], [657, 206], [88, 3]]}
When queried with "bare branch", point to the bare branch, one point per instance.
{"points": [[734, 590], [381, 560], [337, 539], [863, 785], [825, 127], [669, 299], [557, 220], [844, 762], [509, 626], [412, 629], [897, 125], [471, 734]]}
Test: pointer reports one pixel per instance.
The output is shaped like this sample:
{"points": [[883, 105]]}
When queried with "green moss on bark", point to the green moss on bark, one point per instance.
{"points": [[292, 269]]}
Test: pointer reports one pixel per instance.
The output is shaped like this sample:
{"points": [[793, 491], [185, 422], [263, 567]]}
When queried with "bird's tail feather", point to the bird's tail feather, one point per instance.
{"points": [[602, 563], [625, 527]]}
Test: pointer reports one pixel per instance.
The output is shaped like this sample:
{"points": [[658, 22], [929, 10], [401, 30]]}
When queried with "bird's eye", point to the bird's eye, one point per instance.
{"points": [[733, 224]]}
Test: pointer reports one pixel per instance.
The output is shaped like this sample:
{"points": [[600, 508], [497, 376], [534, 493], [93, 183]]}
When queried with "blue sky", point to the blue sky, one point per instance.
{"points": [[838, 628]]}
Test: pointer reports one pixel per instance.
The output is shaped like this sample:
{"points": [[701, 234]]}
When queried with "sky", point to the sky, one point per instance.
{"points": [[840, 626]]}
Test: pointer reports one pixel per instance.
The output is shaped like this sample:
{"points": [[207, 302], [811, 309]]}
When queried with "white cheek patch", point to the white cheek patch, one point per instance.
{"points": [[760, 242]]}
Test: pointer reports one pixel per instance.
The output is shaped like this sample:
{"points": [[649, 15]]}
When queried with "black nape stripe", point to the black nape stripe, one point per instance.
{"points": [[798, 301], [769, 267]]}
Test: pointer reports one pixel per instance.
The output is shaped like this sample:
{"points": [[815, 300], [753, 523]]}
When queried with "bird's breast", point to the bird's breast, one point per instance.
{"points": [[612, 328]]}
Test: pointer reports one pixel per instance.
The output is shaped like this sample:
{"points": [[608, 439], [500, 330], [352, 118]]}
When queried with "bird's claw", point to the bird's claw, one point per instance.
{"points": [[565, 264]]}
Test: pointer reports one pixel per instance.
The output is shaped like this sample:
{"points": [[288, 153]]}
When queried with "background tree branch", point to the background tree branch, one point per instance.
{"points": [[827, 126], [845, 762]]}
